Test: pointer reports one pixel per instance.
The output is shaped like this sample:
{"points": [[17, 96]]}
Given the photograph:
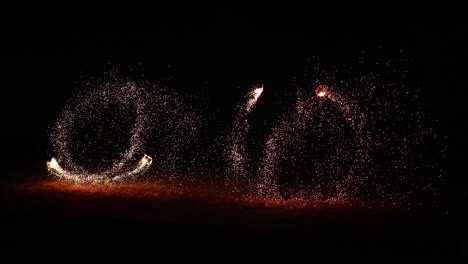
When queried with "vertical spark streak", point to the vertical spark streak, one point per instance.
{"points": [[236, 153]]}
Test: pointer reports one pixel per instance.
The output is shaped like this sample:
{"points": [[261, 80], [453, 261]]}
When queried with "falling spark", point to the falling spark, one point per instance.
{"points": [[236, 152]]}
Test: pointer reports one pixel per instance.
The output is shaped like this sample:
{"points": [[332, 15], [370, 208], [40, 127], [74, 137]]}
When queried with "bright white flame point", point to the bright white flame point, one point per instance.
{"points": [[257, 92], [52, 164], [254, 95], [321, 94]]}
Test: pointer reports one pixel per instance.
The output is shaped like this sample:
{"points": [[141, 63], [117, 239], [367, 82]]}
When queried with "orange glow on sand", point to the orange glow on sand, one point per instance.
{"points": [[166, 200], [186, 190]]}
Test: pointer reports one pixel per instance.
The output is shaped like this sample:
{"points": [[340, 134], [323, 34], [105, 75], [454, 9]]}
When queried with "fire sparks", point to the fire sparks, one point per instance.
{"points": [[102, 129], [146, 160], [236, 152], [321, 91], [52, 164], [344, 147], [317, 149]]}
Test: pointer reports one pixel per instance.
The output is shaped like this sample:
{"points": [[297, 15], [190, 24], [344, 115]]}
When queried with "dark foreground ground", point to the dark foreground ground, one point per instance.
{"points": [[201, 221]]}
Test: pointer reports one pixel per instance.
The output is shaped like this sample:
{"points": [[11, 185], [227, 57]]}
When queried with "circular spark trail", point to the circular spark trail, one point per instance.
{"points": [[253, 97], [94, 128], [102, 131]]}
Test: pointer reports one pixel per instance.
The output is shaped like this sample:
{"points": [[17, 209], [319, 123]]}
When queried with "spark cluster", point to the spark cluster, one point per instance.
{"points": [[345, 138], [347, 134]]}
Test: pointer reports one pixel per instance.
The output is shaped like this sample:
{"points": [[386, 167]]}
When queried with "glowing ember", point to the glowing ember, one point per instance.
{"points": [[146, 160], [321, 91], [257, 92], [254, 95], [119, 107], [52, 164]]}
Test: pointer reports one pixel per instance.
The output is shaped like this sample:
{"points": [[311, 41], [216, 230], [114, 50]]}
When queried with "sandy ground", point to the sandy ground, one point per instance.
{"points": [[39, 212]]}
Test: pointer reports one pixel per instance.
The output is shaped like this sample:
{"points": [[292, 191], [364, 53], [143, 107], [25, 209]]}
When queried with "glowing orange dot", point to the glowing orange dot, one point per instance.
{"points": [[321, 91]]}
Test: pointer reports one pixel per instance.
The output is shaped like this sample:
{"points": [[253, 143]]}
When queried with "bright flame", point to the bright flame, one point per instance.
{"points": [[321, 91], [146, 160], [254, 95], [257, 92], [52, 164]]}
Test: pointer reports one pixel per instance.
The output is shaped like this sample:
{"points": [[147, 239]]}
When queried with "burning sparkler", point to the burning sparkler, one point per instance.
{"points": [[254, 95], [321, 91], [121, 105]]}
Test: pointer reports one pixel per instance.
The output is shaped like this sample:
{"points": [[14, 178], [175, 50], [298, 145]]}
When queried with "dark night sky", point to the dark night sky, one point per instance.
{"points": [[51, 48]]}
